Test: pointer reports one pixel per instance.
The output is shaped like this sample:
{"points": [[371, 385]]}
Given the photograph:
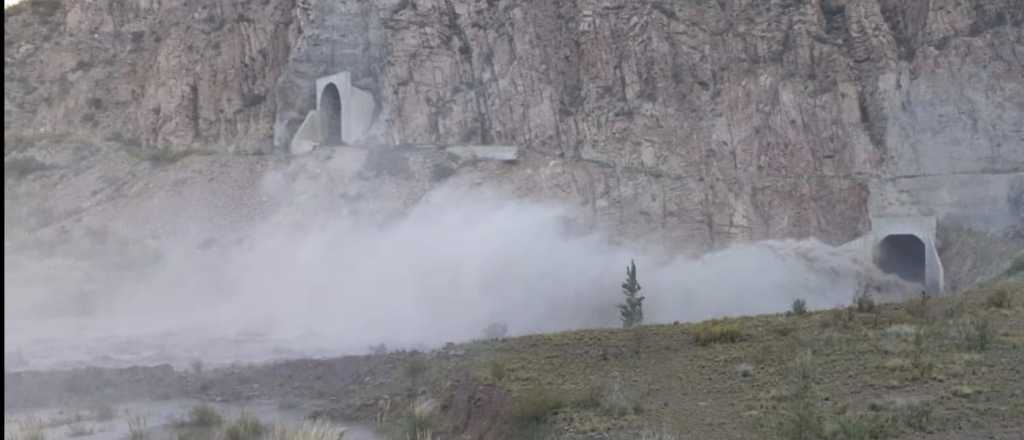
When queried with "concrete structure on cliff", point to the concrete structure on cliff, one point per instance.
{"points": [[905, 246], [344, 114]]}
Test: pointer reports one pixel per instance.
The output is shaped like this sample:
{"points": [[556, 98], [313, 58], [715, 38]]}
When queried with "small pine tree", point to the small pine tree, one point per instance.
{"points": [[632, 310]]}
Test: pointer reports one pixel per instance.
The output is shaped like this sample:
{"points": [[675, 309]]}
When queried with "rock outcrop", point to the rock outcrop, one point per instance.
{"points": [[703, 121], [172, 74]]}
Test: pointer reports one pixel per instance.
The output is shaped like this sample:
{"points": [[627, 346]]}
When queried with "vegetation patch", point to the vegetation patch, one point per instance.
{"points": [[534, 406], [976, 334], [21, 167], [247, 427], [632, 310], [312, 430], [497, 370], [137, 427], [717, 332], [799, 307], [1016, 266], [1000, 299], [203, 416]]}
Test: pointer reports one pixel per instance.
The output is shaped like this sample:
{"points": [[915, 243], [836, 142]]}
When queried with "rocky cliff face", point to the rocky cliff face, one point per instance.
{"points": [[706, 121], [173, 74]]}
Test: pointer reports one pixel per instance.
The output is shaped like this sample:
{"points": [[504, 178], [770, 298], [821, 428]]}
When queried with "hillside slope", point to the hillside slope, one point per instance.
{"points": [[708, 122], [948, 368]]}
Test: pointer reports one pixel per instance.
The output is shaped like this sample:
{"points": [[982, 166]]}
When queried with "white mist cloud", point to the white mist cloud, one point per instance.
{"points": [[323, 282]]}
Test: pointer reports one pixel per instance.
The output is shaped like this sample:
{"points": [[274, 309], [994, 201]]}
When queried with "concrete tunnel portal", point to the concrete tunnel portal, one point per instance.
{"points": [[902, 255], [330, 119], [905, 247]]}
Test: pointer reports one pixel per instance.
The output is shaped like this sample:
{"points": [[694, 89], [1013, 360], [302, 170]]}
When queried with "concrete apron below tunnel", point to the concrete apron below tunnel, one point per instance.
{"points": [[905, 246]]}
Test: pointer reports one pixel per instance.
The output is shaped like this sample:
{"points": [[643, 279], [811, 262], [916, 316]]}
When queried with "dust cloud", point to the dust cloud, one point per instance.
{"points": [[327, 283]]}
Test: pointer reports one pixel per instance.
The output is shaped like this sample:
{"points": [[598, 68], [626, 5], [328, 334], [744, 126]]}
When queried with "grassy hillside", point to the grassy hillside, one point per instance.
{"points": [[934, 368], [939, 368]]}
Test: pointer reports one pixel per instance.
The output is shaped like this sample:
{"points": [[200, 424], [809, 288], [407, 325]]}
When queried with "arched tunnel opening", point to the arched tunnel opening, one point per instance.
{"points": [[330, 111], [902, 255]]}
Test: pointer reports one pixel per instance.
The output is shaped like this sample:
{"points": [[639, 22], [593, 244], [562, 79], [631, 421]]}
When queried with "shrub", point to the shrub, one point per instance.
{"points": [[137, 427], [590, 398], [497, 370], [799, 307], [865, 304], [784, 329], [713, 332], [204, 416], [920, 360], [534, 406], [30, 429], [918, 416], [801, 418], [247, 427], [631, 311], [416, 427], [1000, 299], [976, 334], [615, 402], [1016, 266], [955, 310], [312, 430], [414, 369], [919, 308]]}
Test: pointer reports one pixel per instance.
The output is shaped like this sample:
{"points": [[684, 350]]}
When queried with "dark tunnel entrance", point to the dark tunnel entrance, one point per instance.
{"points": [[330, 116], [902, 255]]}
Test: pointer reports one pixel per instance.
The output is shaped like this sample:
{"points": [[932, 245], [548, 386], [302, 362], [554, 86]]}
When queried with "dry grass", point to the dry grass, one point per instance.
{"points": [[497, 370], [246, 427], [533, 406], [881, 354], [1000, 299], [313, 430], [137, 427], [28, 429], [203, 416], [715, 332], [976, 334]]}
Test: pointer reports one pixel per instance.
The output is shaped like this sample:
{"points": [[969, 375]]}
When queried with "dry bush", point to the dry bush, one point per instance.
{"points": [[497, 370], [715, 332], [801, 417], [865, 304], [28, 429], [247, 427], [533, 406], [920, 359], [1000, 299], [137, 427], [312, 430], [976, 334], [204, 416]]}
